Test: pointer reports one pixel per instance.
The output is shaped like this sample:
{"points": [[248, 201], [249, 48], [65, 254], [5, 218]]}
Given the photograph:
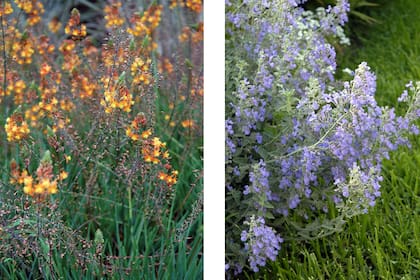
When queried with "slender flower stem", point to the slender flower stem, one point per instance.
{"points": [[313, 145]]}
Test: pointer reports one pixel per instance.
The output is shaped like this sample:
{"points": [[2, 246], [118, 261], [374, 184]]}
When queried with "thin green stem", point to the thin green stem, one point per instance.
{"points": [[313, 145]]}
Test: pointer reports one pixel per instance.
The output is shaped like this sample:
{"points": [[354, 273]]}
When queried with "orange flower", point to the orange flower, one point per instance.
{"points": [[112, 16], [6, 9], [193, 5], [165, 66], [54, 25], [185, 34], [74, 28], [145, 134], [145, 24], [44, 46], [117, 97], [153, 150], [139, 123], [43, 182], [170, 179], [140, 71], [187, 123], [33, 8], [63, 175], [45, 69], [82, 87], [22, 49], [16, 128]]}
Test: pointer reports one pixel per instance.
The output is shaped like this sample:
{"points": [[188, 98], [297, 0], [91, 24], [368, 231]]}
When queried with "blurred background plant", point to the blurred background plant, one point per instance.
{"points": [[102, 140]]}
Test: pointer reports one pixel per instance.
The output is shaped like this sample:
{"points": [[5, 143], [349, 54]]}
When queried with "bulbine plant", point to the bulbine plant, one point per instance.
{"points": [[304, 151], [87, 141]]}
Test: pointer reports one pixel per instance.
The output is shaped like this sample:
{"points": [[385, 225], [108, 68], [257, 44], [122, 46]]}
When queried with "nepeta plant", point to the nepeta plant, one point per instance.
{"points": [[299, 143]]}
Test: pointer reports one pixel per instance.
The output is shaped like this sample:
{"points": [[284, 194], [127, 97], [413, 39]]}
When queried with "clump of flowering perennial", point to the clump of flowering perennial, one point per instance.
{"points": [[44, 182], [92, 104], [297, 140]]}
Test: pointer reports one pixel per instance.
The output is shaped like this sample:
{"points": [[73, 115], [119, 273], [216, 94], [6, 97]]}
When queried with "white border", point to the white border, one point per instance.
{"points": [[214, 133]]}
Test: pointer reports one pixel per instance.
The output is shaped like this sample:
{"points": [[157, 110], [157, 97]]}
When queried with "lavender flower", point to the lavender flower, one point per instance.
{"points": [[261, 242]]}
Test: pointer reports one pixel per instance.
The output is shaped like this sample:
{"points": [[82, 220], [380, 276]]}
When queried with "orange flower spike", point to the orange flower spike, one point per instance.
{"points": [[165, 155], [18, 88], [35, 15], [173, 4], [145, 24], [6, 9], [194, 5], [187, 123], [185, 34], [28, 181], [156, 142], [139, 70], [167, 66], [156, 152], [52, 187], [137, 64], [162, 176], [22, 51], [89, 49], [73, 27], [28, 187], [116, 96], [44, 45], [67, 46], [54, 25], [16, 128], [33, 8], [169, 179], [45, 69], [25, 5], [22, 177], [148, 158], [145, 134], [42, 186], [82, 87], [112, 16], [63, 175], [154, 19]]}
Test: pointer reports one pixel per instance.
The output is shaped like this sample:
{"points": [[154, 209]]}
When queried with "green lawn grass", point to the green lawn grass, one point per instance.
{"points": [[385, 243]]}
